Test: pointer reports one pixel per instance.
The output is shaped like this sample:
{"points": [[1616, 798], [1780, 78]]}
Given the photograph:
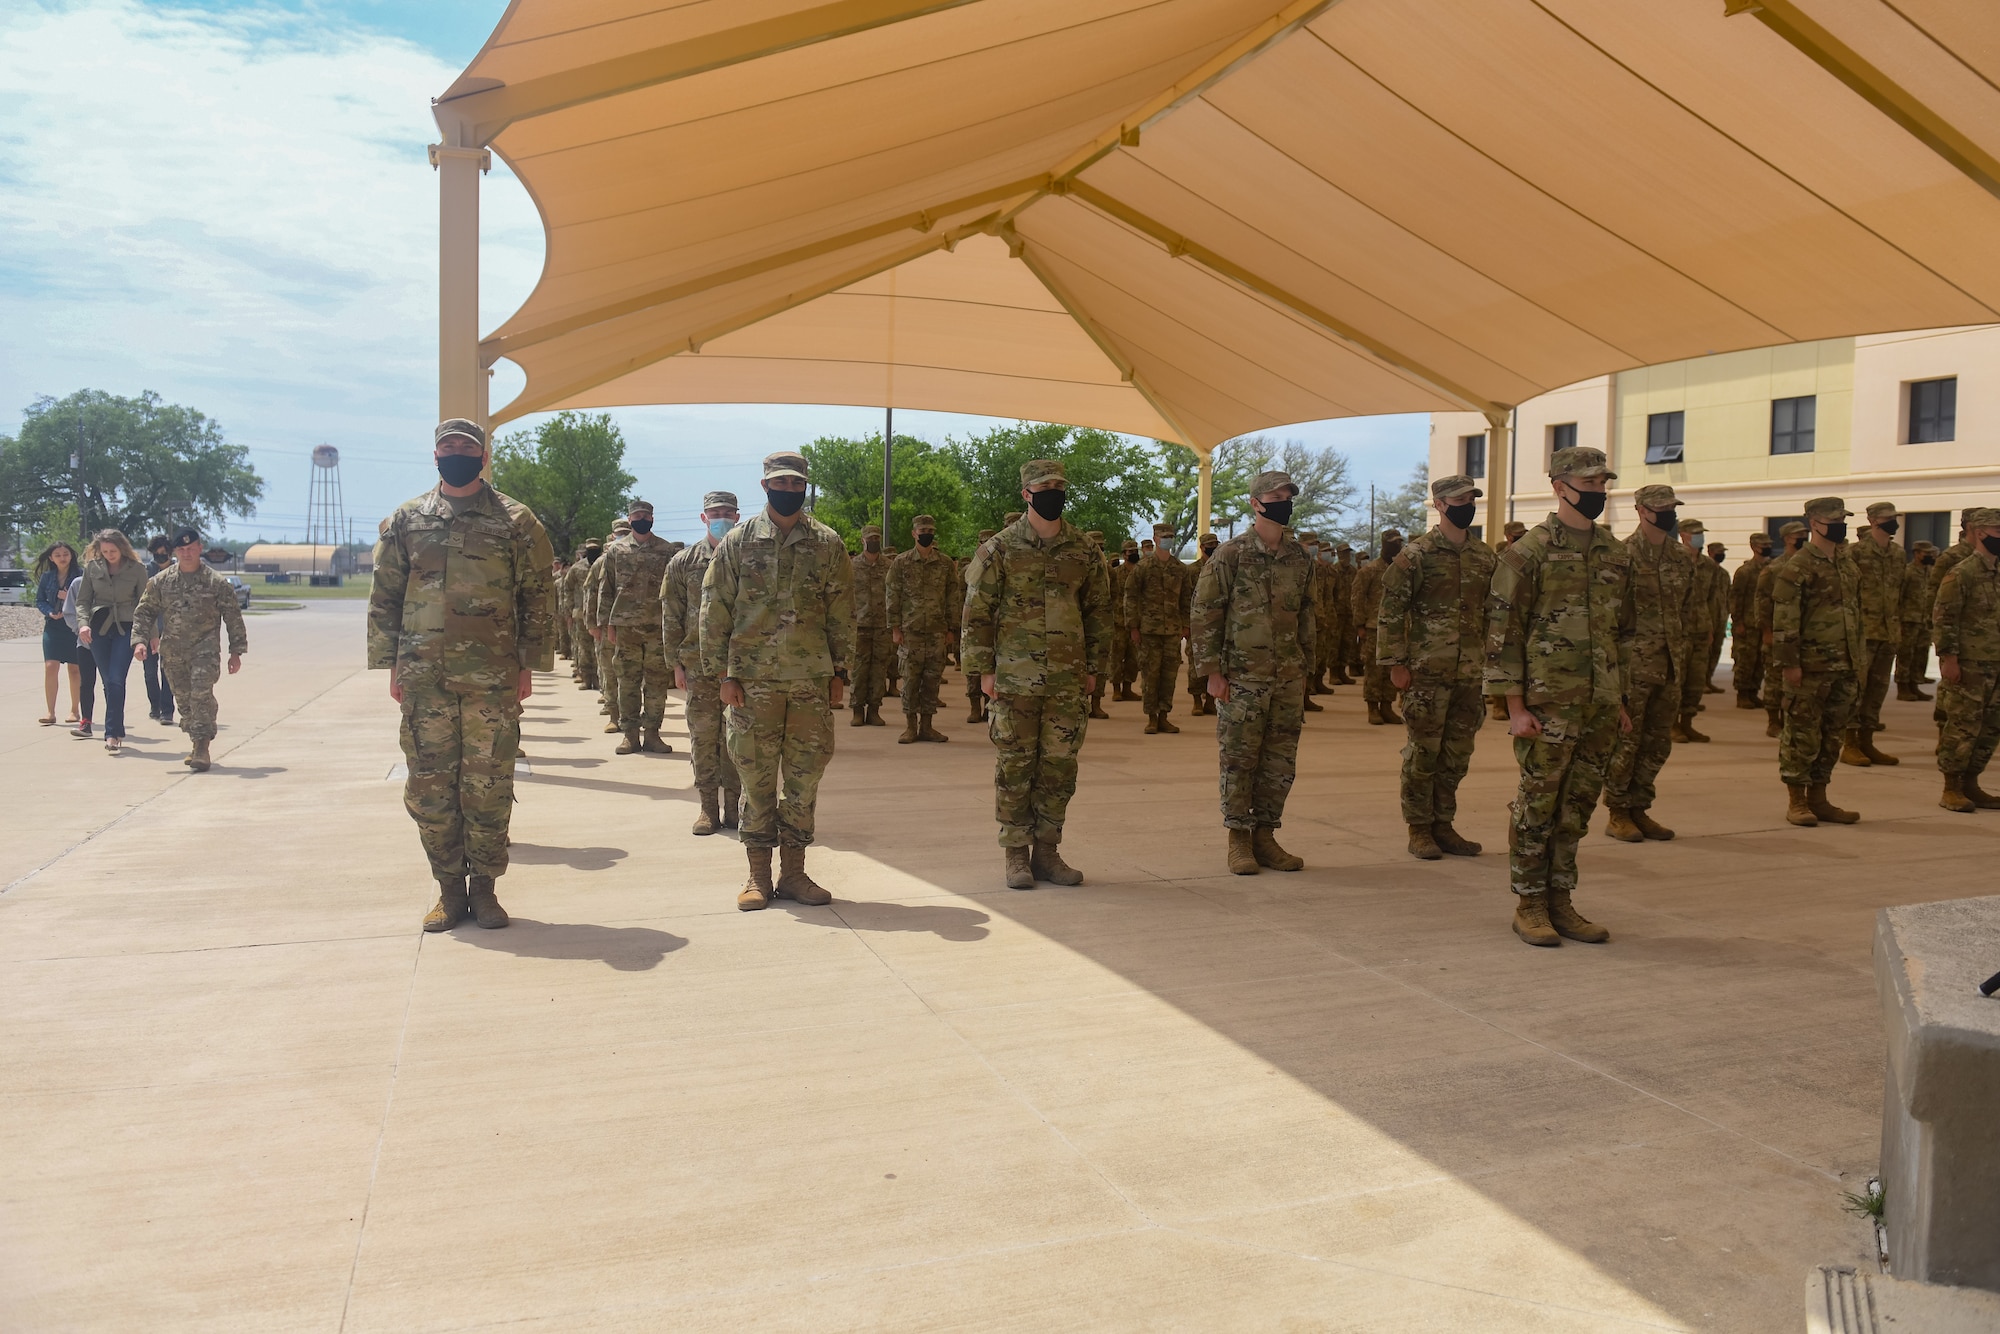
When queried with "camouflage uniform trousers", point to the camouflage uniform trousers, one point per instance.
{"points": [[607, 676], [922, 660], [1880, 657], [869, 670], [583, 651], [1774, 680], [643, 676], [460, 791], [1562, 773], [1817, 711], [1159, 664], [1257, 733], [1376, 687], [1640, 754], [1971, 718], [563, 637], [713, 768], [1746, 661], [781, 738], [1442, 721], [1036, 738], [1714, 659], [191, 675], [1693, 673], [1128, 659], [1913, 655]]}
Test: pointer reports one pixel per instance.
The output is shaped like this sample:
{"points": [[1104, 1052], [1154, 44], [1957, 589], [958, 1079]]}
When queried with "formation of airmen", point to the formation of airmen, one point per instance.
{"points": [[1596, 651]]}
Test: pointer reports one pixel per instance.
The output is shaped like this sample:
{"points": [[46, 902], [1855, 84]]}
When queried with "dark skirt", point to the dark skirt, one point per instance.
{"points": [[58, 640]]}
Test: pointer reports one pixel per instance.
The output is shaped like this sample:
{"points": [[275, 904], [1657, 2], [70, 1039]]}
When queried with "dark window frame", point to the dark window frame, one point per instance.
{"points": [[1562, 435], [1790, 435], [1933, 417], [1666, 437], [1466, 444]]}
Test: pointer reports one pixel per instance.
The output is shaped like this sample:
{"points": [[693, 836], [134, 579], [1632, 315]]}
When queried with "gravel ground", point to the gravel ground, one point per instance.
{"points": [[19, 622]]}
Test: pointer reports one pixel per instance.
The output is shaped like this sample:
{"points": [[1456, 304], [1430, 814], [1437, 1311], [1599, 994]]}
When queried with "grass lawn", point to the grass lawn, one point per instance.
{"points": [[262, 592]]}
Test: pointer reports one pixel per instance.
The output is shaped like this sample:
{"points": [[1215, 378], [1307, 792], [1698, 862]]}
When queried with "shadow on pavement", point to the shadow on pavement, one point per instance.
{"points": [[606, 785], [581, 859], [629, 949], [946, 923]]}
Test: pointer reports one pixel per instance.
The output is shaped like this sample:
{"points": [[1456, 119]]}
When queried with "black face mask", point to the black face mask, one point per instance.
{"points": [[1889, 526], [1718, 559], [590, 557], [1589, 504], [1279, 511], [459, 469], [1929, 561], [1049, 503], [1837, 531], [1390, 550], [1668, 523], [1992, 544], [642, 526], [925, 539], [1460, 516], [785, 502], [871, 544]]}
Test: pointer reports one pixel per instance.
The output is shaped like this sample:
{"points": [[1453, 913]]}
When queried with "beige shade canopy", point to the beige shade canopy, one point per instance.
{"points": [[1197, 218]]}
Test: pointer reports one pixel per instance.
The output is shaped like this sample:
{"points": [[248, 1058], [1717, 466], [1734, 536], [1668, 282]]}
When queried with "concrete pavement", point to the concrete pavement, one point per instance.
{"points": [[240, 1090]]}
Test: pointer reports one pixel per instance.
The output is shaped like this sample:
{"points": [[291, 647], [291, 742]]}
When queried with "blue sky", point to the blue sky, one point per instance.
{"points": [[229, 203]]}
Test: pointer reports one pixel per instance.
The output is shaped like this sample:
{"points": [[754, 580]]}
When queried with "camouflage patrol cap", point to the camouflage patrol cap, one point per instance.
{"points": [[1163, 530], [1693, 527], [593, 545], [621, 525], [1307, 539], [459, 426], [1457, 484], [1095, 534], [1131, 544], [1344, 549], [871, 530], [1983, 516], [1581, 461], [1658, 496], [1013, 517], [1037, 471], [921, 522], [1514, 528], [785, 463], [1210, 541], [719, 500], [1759, 540], [1827, 507], [1919, 548], [1388, 533], [1880, 510], [985, 533], [1273, 479], [640, 507], [1791, 528], [1717, 549]]}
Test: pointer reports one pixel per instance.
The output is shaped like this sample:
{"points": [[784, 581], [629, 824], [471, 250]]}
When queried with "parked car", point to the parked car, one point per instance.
{"points": [[242, 591], [15, 589]]}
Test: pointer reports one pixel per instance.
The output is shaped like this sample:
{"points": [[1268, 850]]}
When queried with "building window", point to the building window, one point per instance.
{"points": [[1477, 532], [1932, 526], [1663, 437], [1562, 436], [1792, 424], [1472, 448], [1933, 411], [1772, 526]]}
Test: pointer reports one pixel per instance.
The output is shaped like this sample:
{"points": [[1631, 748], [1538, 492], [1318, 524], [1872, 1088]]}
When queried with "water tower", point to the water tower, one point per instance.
{"points": [[326, 516]]}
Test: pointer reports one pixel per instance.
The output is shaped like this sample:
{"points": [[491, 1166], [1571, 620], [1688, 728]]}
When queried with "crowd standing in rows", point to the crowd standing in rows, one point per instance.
{"points": [[1596, 651]]}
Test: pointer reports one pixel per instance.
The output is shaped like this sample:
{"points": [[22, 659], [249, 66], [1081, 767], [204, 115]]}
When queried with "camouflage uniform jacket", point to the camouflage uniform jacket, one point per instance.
{"points": [[1767, 583], [1669, 609], [593, 583], [778, 606], [1743, 592], [1432, 615], [628, 592], [680, 606], [183, 611], [1120, 619], [871, 596], [1037, 613], [1816, 612], [1157, 594], [571, 590], [1881, 571], [1712, 589], [1560, 620], [1364, 598], [1966, 617], [1918, 600], [1947, 558], [462, 597], [1252, 617], [921, 585]]}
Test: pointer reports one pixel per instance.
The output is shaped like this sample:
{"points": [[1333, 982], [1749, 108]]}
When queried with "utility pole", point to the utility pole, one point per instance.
{"points": [[888, 466], [76, 475], [1371, 514]]}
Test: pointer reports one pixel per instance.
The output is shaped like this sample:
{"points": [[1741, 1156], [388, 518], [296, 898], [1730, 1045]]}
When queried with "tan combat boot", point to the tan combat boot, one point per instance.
{"points": [[1496, 708], [1242, 859], [1954, 798], [1744, 701], [611, 724], [1097, 705], [1866, 741], [794, 883], [1688, 731], [1020, 870], [1571, 924], [654, 744], [1452, 843], [1045, 863], [1798, 812], [485, 907], [730, 796], [1620, 825], [925, 732], [1311, 707], [757, 890], [1985, 801], [1774, 721], [1910, 694], [1166, 726], [450, 909], [1650, 827], [710, 818], [973, 713], [1531, 919], [912, 730], [197, 759], [1424, 845], [1152, 724], [630, 745], [1341, 678], [1389, 715], [1827, 812], [1852, 753], [1264, 847], [860, 718], [875, 716]]}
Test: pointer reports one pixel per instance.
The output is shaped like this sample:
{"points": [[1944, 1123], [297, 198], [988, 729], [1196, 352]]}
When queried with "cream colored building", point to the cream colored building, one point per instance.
{"points": [[1745, 438]]}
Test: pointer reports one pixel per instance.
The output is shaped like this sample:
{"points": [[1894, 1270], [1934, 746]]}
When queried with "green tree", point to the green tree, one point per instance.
{"points": [[1114, 483], [847, 490], [58, 523], [1406, 509], [1235, 463], [146, 466], [570, 471]]}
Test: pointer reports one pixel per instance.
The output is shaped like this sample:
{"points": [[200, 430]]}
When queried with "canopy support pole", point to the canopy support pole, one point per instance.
{"points": [[1204, 490], [1498, 479], [888, 469], [461, 374]]}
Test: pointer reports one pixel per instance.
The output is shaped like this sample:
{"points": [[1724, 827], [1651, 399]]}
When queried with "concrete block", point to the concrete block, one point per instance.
{"points": [[1941, 1103]]}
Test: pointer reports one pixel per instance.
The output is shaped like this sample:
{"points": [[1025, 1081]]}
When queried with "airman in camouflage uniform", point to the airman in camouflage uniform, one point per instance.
{"points": [[777, 630], [1308, 543], [872, 646], [921, 612], [974, 696], [183, 607], [1199, 702], [606, 653], [1252, 641], [1366, 602], [1431, 639], [1096, 539], [1913, 653], [1719, 624], [1746, 641], [1707, 584], [556, 575], [1946, 559], [1124, 655], [569, 596], [628, 605], [1559, 631], [1966, 619], [1668, 603], [461, 617], [1880, 561], [715, 781], [1157, 593], [1817, 640], [1345, 645], [1037, 633], [1511, 531], [1792, 536]]}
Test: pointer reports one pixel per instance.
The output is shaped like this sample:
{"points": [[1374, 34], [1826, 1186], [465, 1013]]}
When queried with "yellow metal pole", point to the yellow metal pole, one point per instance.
{"points": [[461, 377], [1204, 489], [1498, 479]]}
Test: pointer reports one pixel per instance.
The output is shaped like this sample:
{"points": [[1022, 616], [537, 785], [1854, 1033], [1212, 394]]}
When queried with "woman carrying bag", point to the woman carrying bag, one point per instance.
{"points": [[105, 604]]}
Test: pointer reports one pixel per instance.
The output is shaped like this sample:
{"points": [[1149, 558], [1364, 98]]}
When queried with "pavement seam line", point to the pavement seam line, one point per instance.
{"points": [[381, 1135]]}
